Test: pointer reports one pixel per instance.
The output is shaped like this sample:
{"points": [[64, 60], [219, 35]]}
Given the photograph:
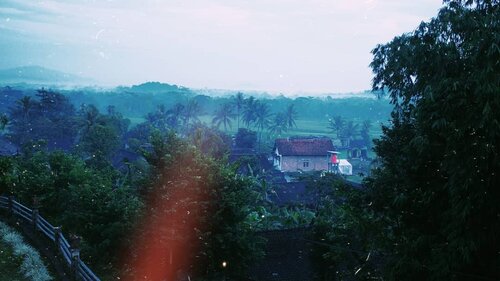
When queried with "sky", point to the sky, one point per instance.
{"points": [[282, 46]]}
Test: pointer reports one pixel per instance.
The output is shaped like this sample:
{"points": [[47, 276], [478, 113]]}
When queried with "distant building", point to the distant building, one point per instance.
{"points": [[338, 166], [358, 149], [345, 167], [302, 154]]}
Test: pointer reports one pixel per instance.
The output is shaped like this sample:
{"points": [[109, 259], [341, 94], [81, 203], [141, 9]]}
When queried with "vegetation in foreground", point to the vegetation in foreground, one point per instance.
{"points": [[20, 256], [430, 210], [9, 263]]}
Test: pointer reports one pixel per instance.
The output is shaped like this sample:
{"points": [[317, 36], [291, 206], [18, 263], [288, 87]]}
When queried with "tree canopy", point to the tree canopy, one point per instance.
{"points": [[436, 192]]}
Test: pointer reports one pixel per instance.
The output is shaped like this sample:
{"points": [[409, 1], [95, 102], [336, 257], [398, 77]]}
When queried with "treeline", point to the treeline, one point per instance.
{"points": [[136, 102]]}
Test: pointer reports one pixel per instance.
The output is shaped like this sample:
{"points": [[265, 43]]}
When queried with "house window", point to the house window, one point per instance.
{"points": [[305, 164]]}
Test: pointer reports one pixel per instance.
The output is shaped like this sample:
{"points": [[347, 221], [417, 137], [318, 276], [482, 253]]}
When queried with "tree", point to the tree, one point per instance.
{"points": [[26, 106], [161, 118], [349, 131], [4, 120], [175, 116], [239, 101], [291, 116], [336, 125], [191, 112], [249, 111], [223, 115], [211, 142], [101, 135], [365, 132], [279, 124], [52, 118], [21, 120], [53, 105], [345, 230], [262, 115], [81, 199], [436, 191], [195, 219], [245, 138], [99, 143]]}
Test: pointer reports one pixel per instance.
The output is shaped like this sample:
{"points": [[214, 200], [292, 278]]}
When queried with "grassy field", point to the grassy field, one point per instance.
{"points": [[304, 128]]}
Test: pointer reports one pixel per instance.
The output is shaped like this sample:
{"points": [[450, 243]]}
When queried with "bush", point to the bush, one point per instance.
{"points": [[246, 138], [32, 266]]}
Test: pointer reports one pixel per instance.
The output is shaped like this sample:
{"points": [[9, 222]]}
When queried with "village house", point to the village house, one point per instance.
{"points": [[302, 154], [358, 149]]}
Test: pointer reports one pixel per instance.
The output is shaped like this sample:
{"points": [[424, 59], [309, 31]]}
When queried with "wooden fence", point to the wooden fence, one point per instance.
{"points": [[70, 253]]}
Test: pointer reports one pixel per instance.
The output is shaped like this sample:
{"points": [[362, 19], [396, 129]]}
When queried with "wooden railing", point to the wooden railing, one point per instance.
{"points": [[70, 253]]}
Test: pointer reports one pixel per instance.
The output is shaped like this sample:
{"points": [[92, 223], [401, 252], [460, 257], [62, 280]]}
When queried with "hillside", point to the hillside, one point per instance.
{"points": [[38, 75]]}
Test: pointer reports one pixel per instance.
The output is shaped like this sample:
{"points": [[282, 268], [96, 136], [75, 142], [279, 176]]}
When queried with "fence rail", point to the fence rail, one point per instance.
{"points": [[71, 255]]}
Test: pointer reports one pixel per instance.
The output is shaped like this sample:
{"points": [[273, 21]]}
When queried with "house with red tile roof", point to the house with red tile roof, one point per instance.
{"points": [[302, 154]]}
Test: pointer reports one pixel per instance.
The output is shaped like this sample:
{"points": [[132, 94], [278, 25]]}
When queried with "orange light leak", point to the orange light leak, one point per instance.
{"points": [[161, 251]]}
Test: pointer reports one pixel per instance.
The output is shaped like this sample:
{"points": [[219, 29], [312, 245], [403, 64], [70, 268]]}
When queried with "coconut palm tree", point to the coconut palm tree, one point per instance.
{"points": [[279, 124], [262, 115], [174, 115], [239, 101], [191, 112], [4, 120], [249, 111], [349, 131], [290, 116], [365, 132], [161, 116], [223, 115], [26, 105], [336, 125], [91, 113]]}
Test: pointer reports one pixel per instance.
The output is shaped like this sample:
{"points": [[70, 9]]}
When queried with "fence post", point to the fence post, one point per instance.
{"points": [[57, 237], [75, 256], [11, 205], [34, 213]]}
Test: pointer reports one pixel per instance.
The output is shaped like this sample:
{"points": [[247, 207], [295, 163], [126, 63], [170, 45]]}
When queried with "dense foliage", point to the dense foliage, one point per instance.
{"points": [[196, 211], [430, 209], [85, 201]]}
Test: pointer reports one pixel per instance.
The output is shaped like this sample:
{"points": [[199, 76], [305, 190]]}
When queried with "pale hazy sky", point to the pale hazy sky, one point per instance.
{"points": [[275, 45]]}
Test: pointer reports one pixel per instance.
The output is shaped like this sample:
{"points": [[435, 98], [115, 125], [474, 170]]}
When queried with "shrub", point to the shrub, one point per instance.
{"points": [[32, 266]]}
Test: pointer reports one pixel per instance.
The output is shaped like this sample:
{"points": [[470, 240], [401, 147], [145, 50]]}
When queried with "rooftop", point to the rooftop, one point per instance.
{"points": [[309, 146]]}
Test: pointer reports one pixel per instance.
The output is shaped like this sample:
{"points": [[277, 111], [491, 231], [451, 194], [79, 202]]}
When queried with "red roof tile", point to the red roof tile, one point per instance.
{"points": [[303, 146]]}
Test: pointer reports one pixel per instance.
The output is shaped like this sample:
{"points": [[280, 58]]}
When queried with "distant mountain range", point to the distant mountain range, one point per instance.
{"points": [[38, 75]]}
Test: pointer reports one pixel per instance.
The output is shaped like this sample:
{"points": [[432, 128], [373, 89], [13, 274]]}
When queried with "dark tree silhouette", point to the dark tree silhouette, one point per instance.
{"points": [[239, 101], [290, 116], [223, 115], [262, 115], [249, 111], [336, 125], [279, 124]]}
